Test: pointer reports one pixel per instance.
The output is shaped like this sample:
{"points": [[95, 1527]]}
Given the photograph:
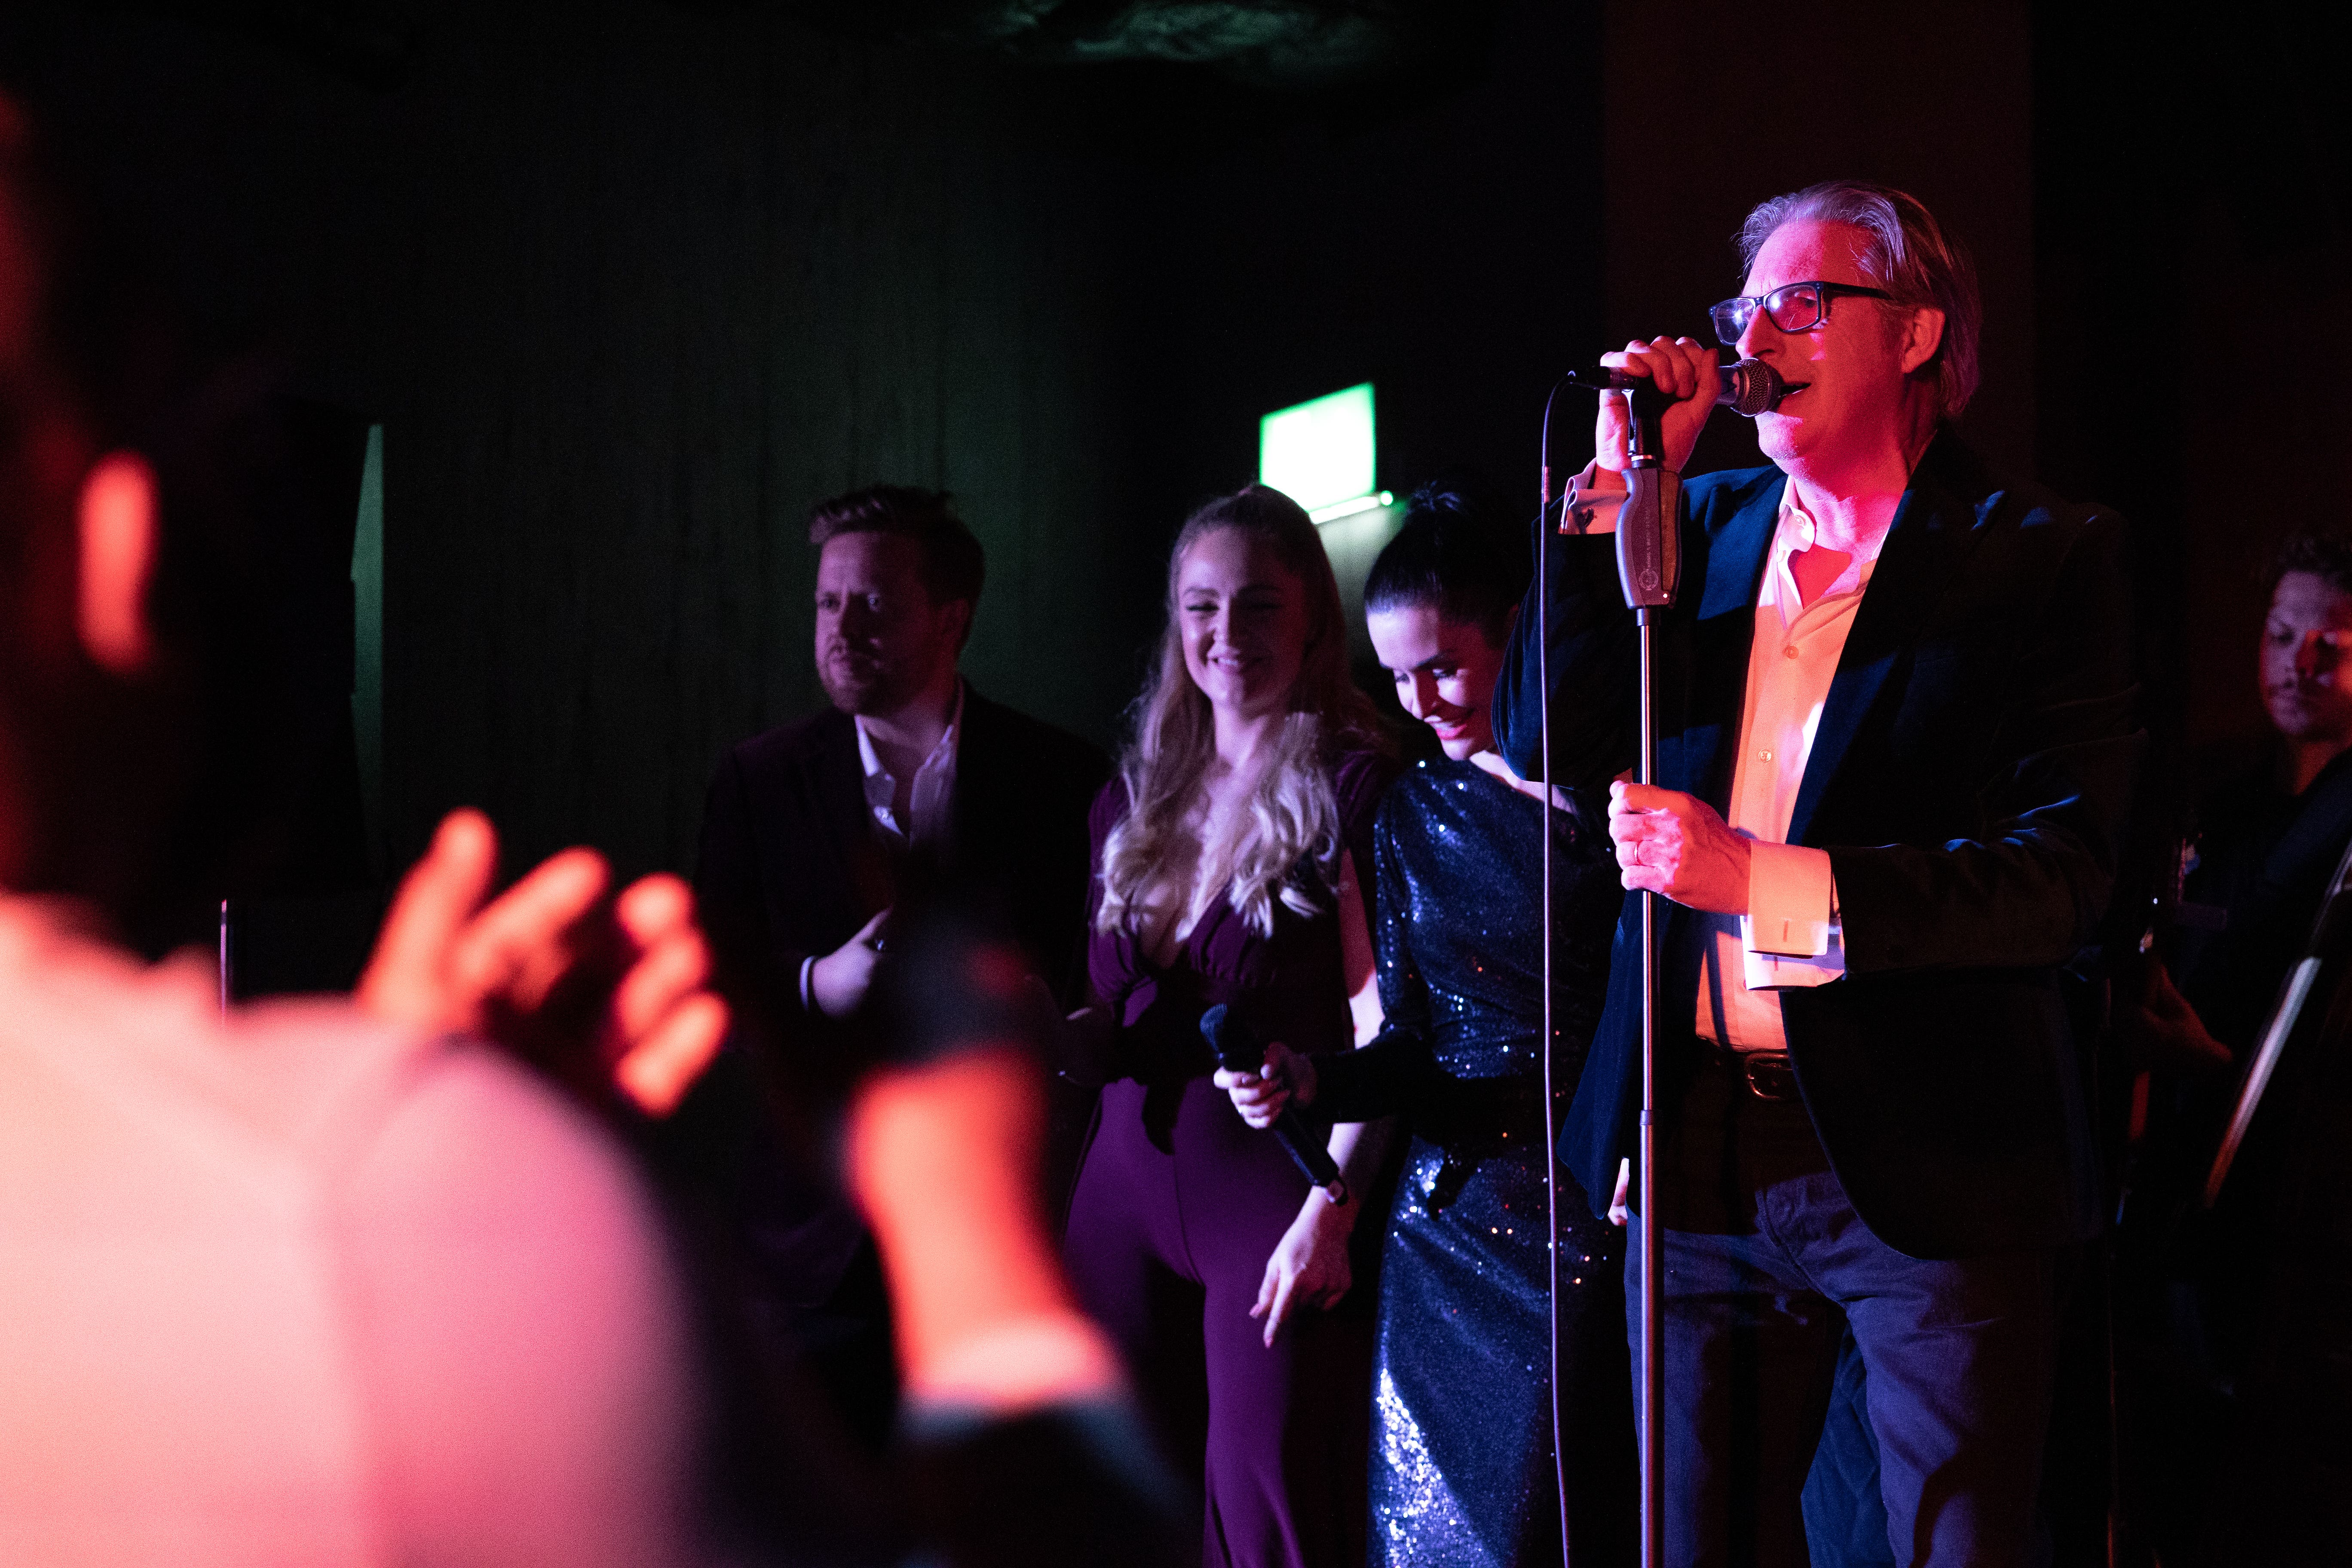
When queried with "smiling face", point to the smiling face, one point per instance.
{"points": [[881, 642], [1852, 365], [1243, 617], [1444, 673], [2307, 641]]}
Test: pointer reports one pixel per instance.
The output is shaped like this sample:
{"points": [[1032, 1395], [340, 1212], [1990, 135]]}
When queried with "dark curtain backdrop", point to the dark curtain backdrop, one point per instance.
{"points": [[1935, 99], [630, 286]]}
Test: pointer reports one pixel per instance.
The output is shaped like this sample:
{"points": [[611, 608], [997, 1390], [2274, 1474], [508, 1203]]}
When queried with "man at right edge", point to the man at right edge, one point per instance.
{"points": [[1896, 745]]}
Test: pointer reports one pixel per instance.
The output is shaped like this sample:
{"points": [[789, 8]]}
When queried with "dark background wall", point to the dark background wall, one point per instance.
{"points": [[630, 284], [1935, 99], [2159, 201]]}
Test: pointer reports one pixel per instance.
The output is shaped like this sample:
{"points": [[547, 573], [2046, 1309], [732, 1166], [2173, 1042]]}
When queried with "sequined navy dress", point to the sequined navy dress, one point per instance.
{"points": [[1462, 1449]]}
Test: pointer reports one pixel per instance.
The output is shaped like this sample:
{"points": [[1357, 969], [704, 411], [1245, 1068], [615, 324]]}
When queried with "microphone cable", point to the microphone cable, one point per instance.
{"points": [[1550, 1135]]}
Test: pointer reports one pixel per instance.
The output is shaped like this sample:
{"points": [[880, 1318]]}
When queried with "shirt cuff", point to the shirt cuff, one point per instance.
{"points": [[808, 998], [1790, 936], [1594, 497]]}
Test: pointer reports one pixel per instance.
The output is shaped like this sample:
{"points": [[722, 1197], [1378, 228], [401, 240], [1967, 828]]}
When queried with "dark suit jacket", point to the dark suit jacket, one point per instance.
{"points": [[790, 867], [1970, 773]]}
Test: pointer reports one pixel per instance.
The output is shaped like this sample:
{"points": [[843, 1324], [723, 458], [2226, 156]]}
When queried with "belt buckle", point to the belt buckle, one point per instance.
{"points": [[1768, 1076]]}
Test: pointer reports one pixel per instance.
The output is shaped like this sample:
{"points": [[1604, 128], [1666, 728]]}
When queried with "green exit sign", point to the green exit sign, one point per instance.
{"points": [[1319, 453]]}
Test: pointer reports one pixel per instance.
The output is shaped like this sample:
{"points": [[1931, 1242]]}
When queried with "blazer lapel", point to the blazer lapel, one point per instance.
{"points": [[838, 783], [980, 767], [1689, 754], [1931, 535]]}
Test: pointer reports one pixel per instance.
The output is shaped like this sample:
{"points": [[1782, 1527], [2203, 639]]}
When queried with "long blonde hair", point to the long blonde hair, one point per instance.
{"points": [[1284, 847]]}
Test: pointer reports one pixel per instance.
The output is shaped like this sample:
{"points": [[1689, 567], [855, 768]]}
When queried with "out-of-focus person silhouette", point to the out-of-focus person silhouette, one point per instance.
{"points": [[807, 838], [336, 1281], [2232, 1334], [308, 1282]]}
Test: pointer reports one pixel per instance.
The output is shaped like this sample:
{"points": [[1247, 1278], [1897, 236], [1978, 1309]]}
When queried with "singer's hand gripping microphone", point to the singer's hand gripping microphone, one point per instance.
{"points": [[1240, 1051], [1749, 388], [1649, 545]]}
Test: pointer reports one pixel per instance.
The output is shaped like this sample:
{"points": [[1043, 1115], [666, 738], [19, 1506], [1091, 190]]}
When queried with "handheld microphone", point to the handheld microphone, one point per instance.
{"points": [[1749, 388], [1240, 1051]]}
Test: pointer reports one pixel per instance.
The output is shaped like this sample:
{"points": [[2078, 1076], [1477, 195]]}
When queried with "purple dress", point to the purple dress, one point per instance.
{"points": [[1180, 1203]]}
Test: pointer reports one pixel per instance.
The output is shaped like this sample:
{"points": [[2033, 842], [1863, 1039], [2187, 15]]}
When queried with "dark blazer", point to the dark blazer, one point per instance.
{"points": [[1969, 776], [790, 867]]}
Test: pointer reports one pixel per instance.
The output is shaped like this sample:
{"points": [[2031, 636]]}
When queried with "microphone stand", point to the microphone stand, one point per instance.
{"points": [[1649, 566], [1649, 570]]}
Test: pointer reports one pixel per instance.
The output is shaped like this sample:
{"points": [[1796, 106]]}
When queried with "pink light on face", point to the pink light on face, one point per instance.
{"points": [[1242, 616], [2305, 641], [1848, 368], [1445, 672]]}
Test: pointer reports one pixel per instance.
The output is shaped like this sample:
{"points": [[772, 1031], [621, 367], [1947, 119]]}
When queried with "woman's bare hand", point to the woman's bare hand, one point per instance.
{"points": [[1309, 1267], [1261, 1097]]}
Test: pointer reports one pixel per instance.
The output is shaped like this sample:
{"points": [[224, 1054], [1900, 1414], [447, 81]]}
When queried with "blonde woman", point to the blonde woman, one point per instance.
{"points": [[1229, 862]]}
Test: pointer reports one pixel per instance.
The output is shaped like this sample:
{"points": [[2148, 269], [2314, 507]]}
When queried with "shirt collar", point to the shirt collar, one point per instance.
{"points": [[946, 748], [1796, 531]]}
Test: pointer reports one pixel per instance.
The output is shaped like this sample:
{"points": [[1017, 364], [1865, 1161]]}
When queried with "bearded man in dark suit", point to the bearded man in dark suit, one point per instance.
{"points": [[809, 836], [1896, 716]]}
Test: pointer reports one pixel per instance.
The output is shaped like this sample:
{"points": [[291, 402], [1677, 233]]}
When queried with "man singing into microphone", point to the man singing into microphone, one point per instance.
{"points": [[1896, 739]]}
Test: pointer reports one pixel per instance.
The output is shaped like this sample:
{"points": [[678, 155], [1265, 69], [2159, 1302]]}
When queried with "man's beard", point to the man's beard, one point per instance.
{"points": [[866, 684]]}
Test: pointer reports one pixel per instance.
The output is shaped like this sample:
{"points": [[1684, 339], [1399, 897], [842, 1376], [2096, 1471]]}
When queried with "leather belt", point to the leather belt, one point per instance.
{"points": [[1766, 1075]]}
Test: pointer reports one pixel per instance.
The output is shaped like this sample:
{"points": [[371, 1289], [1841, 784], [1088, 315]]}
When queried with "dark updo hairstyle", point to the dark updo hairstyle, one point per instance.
{"points": [[1458, 552], [2322, 552]]}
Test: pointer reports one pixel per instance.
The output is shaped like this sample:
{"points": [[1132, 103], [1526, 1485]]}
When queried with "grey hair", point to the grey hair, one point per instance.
{"points": [[1909, 255]]}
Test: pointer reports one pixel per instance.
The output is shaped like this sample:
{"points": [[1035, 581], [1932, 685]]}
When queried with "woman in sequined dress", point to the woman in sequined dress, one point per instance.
{"points": [[1462, 1466]]}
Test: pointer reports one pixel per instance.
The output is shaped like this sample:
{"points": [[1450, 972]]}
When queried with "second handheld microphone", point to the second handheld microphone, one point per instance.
{"points": [[1240, 1051]]}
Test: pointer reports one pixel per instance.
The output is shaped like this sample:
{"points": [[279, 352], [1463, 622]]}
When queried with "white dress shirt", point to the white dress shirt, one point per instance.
{"points": [[1790, 936], [932, 796], [930, 803]]}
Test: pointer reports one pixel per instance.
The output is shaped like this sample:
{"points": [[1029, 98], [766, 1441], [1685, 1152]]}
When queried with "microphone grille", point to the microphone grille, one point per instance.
{"points": [[1755, 387]]}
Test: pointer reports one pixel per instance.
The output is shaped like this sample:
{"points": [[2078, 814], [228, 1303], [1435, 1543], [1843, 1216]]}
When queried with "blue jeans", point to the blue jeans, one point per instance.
{"points": [[1766, 1265]]}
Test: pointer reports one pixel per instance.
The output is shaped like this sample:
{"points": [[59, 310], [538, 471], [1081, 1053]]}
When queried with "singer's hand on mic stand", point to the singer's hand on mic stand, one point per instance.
{"points": [[1677, 846], [1288, 1078], [1684, 369]]}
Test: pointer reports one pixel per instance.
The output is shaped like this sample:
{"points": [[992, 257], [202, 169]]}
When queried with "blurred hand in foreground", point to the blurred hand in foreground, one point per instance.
{"points": [[943, 1159], [602, 993]]}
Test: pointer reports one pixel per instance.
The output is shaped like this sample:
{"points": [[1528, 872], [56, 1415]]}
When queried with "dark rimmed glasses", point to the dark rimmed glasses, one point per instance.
{"points": [[1792, 308]]}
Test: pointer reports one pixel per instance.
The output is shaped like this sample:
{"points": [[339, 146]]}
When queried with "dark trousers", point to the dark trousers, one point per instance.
{"points": [[1178, 1204], [1766, 1266]]}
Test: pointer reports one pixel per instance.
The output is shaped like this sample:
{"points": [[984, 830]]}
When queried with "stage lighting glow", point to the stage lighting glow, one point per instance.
{"points": [[1319, 453], [1339, 509]]}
